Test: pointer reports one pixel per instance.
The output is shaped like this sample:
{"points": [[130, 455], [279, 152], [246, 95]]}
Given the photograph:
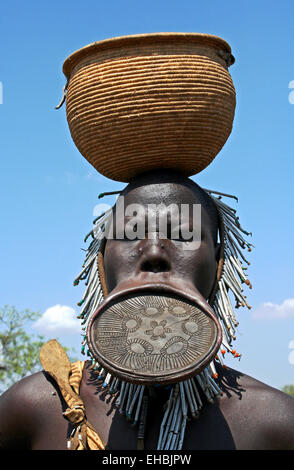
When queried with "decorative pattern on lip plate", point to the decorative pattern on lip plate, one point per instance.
{"points": [[152, 337]]}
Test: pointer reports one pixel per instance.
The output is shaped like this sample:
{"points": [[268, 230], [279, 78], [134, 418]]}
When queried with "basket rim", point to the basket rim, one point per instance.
{"points": [[139, 39]]}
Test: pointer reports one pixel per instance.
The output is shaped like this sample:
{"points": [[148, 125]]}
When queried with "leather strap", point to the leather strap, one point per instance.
{"points": [[68, 377]]}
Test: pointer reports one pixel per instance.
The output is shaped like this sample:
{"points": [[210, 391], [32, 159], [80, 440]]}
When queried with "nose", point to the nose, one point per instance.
{"points": [[154, 257]]}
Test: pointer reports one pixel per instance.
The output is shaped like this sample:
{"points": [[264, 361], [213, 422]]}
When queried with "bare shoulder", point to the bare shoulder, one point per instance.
{"points": [[23, 408], [263, 413]]}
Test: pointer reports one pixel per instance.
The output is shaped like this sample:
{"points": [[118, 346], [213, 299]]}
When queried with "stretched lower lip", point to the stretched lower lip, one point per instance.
{"points": [[108, 331]]}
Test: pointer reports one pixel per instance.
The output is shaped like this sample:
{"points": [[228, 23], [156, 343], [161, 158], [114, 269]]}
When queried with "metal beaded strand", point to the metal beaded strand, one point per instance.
{"points": [[233, 275], [184, 402]]}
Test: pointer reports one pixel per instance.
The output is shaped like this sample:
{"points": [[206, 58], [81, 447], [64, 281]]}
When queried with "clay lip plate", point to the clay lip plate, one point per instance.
{"points": [[145, 335]]}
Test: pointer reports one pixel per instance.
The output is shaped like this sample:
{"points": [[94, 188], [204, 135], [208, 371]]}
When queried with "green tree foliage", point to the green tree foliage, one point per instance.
{"points": [[288, 389], [19, 351]]}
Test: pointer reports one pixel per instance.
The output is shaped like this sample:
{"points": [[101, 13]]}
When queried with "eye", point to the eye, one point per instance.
{"points": [[183, 238], [180, 234]]}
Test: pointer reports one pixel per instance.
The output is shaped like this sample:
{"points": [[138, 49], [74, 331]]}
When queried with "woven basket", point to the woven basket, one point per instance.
{"points": [[137, 103]]}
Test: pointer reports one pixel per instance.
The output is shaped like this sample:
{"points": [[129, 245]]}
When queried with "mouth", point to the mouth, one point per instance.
{"points": [[154, 333]]}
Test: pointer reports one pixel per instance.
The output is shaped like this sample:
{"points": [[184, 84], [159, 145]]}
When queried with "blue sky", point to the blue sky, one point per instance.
{"points": [[49, 191]]}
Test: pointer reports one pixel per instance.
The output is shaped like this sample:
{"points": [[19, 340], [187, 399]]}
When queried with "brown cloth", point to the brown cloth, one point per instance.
{"points": [[68, 377]]}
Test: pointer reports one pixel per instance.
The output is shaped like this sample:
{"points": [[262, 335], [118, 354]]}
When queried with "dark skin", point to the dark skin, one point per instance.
{"points": [[250, 414]]}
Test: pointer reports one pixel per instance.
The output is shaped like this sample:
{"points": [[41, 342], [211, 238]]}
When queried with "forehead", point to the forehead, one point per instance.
{"points": [[161, 193], [173, 193]]}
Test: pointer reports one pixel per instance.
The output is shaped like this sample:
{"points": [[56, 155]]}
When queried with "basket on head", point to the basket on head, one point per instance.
{"points": [[144, 102]]}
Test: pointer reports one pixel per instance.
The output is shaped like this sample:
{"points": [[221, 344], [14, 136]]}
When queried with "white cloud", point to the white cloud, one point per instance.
{"points": [[268, 310], [58, 319]]}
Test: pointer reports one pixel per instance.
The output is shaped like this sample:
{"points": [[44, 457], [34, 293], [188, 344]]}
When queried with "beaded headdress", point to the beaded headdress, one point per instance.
{"points": [[186, 397]]}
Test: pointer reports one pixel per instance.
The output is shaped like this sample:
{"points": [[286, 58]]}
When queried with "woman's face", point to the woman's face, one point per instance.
{"points": [[160, 255]]}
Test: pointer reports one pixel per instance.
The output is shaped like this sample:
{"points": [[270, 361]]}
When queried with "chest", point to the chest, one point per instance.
{"points": [[209, 431], [214, 429]]}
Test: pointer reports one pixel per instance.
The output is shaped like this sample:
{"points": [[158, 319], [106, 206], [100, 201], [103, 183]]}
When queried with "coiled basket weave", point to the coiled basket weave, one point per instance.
{"points": [[143, 102]]}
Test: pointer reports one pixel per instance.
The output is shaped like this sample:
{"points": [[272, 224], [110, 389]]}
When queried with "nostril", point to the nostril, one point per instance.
{"points": [[155, 266]]}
